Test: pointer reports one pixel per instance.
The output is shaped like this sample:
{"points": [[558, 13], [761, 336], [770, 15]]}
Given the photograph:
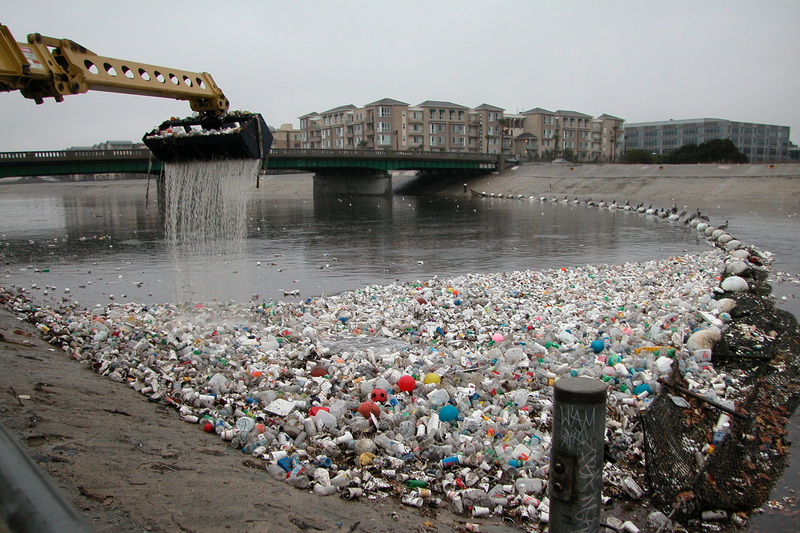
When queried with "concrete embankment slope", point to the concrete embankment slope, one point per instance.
{"points": [[684, 184]]}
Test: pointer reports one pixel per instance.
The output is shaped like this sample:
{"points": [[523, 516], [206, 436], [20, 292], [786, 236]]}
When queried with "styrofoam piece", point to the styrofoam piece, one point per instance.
{"points": [[280, 407]]}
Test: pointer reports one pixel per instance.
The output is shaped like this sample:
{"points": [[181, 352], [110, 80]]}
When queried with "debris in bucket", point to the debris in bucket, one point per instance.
{"points": [[237, 135], [440, 392]]}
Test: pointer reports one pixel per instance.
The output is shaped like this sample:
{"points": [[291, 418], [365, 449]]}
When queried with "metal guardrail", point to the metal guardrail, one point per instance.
{"points": [[73, 155], [382, 154]]}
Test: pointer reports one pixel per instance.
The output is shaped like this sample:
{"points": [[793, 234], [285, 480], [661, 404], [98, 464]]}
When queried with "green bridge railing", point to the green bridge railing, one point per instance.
{"points": [[61, 162]]}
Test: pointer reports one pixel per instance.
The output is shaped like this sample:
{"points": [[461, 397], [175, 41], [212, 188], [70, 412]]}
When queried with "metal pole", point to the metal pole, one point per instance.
{"points": [[29, 501], [576, 459]]}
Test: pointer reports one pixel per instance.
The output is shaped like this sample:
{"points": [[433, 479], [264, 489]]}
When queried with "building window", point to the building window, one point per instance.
{"points": [[433, 140], [441, 114], [441, 140], [384, 111], [384, 127], [689, 131], [670, 132], [339, 143], [433, 114], [384, 140], [460, 115]]}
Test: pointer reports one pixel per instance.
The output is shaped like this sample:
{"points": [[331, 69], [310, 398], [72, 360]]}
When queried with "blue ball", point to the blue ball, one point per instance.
{"points": [[448, 413], [642, 387], [597, 346]]}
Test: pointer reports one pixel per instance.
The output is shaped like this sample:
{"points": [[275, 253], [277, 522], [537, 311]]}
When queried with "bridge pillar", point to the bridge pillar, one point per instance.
{"points": [[352, 181]]}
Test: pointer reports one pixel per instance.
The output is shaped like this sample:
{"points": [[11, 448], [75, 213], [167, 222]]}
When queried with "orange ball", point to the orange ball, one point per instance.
{"points": [[319, 371], [369, 407]]}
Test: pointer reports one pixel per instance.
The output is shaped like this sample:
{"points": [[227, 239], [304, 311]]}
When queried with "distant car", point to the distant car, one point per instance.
{"points": [[560, 161]]}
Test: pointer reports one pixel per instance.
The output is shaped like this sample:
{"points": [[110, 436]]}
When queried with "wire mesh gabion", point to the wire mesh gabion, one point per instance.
{"points": [[738, 475]]}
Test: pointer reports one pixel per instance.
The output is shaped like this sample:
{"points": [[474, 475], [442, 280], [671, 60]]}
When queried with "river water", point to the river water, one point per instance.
{"points": [[104, 241]]}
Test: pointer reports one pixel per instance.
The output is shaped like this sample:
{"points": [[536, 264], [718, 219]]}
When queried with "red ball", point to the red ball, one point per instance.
{"points": [[406, 383], [378, 395], [208, 427], [369, 407]]}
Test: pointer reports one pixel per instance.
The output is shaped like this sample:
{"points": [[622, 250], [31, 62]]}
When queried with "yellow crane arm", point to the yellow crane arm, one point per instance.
{"points": [[45, 67]]}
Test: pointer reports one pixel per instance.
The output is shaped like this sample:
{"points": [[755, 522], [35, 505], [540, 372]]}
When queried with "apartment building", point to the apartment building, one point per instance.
{"points": [[542, 133], [439, 125], [286, 137], [760, 142], [392, 124]]}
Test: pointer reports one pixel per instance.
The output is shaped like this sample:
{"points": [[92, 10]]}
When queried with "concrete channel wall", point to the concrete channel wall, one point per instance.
{"points": [[564, 170]]}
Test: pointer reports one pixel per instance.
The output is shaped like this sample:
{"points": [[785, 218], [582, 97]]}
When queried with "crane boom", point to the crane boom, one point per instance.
{"points": [[46, 67]]}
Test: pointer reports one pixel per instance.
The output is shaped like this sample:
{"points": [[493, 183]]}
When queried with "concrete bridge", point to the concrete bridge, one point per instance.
{"points": [[336, 171]]}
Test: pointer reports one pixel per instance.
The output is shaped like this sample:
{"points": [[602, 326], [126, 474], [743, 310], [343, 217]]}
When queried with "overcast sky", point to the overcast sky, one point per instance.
{"points": [[639, 60]]}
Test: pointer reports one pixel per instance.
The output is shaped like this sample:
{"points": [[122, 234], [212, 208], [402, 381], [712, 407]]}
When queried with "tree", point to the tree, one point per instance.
{"points": [[556, 140], [642, 157], [488, 138], [613, 142], [503, 125], [362, 144], [569, 154], [714, 151]]}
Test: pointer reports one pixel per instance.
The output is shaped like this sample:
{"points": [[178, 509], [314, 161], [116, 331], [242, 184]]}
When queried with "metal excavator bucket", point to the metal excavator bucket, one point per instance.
{"points": [[233, 136]]}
